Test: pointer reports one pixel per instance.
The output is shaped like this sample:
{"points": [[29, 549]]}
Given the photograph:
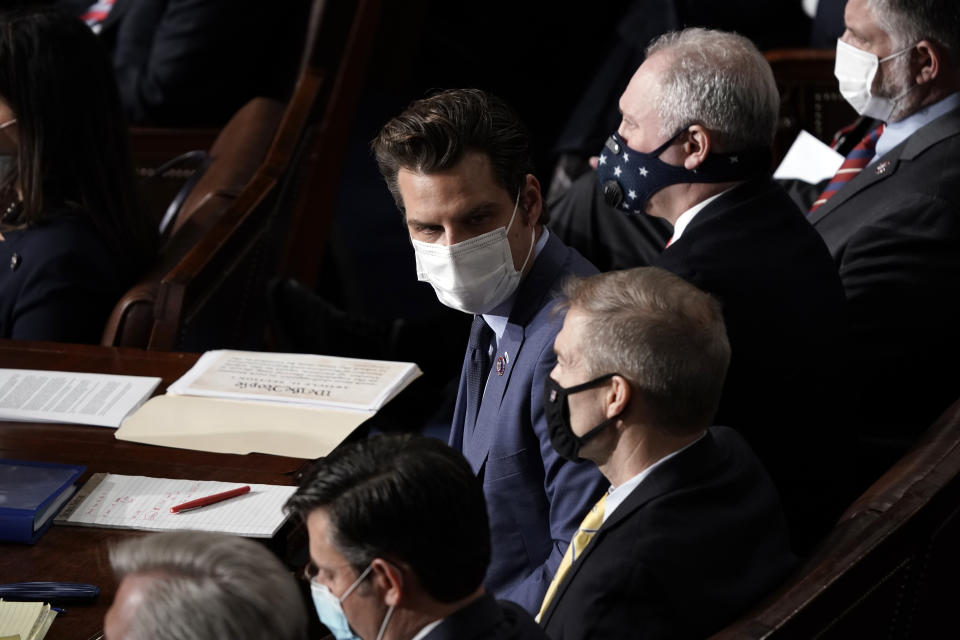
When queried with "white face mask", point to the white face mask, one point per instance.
{"points": [[475, 275], [855, 70]]}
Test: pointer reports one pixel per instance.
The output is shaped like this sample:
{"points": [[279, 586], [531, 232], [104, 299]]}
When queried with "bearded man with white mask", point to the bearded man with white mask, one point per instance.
{"points": [[459, 167], [893, 227]]}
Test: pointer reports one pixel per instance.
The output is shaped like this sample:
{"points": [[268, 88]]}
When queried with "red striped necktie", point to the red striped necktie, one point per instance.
{"points": [[97, 12], [856, 160]]}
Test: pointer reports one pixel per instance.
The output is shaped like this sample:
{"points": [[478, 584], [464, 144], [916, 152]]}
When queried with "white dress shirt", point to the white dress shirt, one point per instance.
{"points": [[616, 495]]}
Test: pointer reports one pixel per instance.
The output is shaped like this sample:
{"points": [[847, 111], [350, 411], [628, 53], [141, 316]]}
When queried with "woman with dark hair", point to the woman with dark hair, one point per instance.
{"points": [[71, 238]]}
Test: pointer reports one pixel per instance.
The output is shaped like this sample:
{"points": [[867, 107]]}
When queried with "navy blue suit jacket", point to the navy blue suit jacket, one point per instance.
{"points": [[58, 281], [535, 498]]}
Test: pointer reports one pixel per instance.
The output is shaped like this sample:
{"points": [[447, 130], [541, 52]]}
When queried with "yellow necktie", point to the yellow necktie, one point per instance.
{"points": [[581, 539]]}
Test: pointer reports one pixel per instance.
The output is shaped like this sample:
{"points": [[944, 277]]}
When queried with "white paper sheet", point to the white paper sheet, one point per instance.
{"points": [[809, 160], [296, 378], [138, 502], [78, 398]]}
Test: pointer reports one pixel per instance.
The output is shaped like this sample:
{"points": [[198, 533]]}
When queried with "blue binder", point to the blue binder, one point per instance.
{"points": [[31, 494]]}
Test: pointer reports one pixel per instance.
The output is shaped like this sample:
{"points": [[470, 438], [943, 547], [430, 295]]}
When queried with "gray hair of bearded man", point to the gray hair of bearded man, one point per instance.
{"points": [[910, 21]]}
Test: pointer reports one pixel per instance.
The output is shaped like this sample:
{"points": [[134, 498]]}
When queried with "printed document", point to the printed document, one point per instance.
{"points": [[296, 405], [320, 381], [79, 398]]}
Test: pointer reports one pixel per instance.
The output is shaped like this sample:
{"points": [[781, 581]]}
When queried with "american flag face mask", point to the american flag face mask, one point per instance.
{"points": [[629, 178]]}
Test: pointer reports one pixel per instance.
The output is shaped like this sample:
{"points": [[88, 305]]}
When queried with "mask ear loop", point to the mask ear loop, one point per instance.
{"points": [[356, 583], [8, 123], [533, 232], [383, 625]]}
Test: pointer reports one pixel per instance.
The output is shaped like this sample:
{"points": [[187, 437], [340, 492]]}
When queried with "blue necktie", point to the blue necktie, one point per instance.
{"points": [[477, 371]]}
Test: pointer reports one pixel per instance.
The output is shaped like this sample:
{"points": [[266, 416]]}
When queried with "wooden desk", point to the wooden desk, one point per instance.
{"points": [[79, 554]]}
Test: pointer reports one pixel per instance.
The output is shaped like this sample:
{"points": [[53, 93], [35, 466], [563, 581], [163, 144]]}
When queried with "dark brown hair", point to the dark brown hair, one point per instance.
{"points": [[434, 133]]}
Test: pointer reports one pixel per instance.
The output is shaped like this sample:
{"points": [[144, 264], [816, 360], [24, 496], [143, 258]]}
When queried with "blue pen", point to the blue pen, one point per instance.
{"points": [[49, 591]]}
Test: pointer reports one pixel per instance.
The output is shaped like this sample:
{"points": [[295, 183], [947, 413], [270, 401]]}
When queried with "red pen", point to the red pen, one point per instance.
{"points": [[217, 497]]}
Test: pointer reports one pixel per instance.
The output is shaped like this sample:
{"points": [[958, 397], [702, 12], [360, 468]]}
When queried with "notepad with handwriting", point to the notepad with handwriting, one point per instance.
{"points": [[25, 620], [138, 502]]}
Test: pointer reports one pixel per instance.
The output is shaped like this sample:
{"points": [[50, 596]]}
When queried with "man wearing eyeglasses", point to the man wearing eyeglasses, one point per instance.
{"points": [[400, 543]]}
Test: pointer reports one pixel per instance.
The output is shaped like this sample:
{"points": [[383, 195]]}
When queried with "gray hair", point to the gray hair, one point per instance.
{"points": [[661, 333], [910, 21], [721, 81], [209, 586]]}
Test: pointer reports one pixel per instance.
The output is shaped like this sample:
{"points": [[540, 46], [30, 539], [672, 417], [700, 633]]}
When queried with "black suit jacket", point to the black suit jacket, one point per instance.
{"points": [[785, 314], [195, 62], [694, 545], [487, 619], [58, 281], [894, 234]]}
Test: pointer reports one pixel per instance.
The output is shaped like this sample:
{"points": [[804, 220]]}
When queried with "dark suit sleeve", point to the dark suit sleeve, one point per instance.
{"points": [[571, 488]]}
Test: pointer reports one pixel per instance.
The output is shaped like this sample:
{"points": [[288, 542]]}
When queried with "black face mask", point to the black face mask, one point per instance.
{"points": [[629, 178], [557, 411]]}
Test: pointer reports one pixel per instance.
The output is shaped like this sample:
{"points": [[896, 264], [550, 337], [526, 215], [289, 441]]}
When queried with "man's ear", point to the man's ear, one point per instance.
{"points": [[618, 397], [928, 63], [388, 581], [696, 146], [531, 200]]}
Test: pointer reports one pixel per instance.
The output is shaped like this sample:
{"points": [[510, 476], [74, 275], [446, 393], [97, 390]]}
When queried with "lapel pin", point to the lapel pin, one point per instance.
{"points": [[882, 167], [14, 261], [501, 365]]}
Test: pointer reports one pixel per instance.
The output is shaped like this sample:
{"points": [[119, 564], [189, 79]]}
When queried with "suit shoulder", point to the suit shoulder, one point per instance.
{"points": [[64, 234], [517, 624], [577, 265]]}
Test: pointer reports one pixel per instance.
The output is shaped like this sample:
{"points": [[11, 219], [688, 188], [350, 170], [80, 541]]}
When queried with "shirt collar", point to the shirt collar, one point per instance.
{"points": [[687, 216], [616, 495], [896, 132], [497, 318], [427, 629]]}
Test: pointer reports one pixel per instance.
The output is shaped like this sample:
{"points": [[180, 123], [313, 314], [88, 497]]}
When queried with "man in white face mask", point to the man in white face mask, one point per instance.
{"points": [[891, 217], [458, 166]]}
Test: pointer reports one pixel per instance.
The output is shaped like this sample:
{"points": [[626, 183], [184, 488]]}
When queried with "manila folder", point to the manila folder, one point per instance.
{"points": [[237, 426]]}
